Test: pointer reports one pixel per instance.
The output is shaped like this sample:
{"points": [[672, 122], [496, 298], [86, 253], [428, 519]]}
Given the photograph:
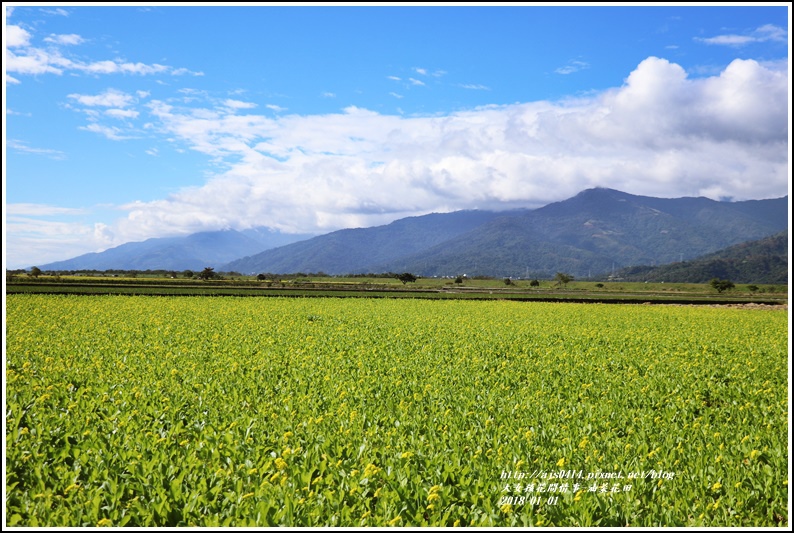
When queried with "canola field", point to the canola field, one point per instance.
{"points": [[202, 411]]}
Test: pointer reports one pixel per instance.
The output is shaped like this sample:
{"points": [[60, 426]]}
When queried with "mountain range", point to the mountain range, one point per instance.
{"points": [[192, 252], [595, 232]]}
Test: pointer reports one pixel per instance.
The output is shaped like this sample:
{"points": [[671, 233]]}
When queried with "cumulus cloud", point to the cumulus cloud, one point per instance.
{"points": [[16, 36], [661, 133]]}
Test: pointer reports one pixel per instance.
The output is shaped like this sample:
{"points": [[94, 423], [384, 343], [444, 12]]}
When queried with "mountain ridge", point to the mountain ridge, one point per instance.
{"points": [[192, 252], [596, 231]]}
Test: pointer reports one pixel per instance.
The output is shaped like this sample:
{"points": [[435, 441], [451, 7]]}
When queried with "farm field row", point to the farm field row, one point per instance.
{"points": [[159, 411]]}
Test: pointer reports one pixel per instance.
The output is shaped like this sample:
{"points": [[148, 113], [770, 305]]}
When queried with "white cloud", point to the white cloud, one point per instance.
{"points": [[16, 36], [182, 71], [396, 95], [276, 108], [415, 81], [660, 134], [67, 39], [58, 11], [22, 147], [38, 210], [121, 113], [31, 241], [30, 60], [765, 33], [328, 95], [474, 87], [33, 61], [111, 132], [572, 66], [237, 104], [115, 67], [422, 71], [110, 98], [393, 78]]}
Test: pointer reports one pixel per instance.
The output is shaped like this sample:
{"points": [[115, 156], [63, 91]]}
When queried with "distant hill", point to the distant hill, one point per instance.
{"points": [[352, 250], [193, 252], [761, 261], [594, 232], [597, 231]]}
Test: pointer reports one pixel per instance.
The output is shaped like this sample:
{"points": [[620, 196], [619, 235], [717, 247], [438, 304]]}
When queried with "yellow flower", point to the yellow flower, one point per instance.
{"points": [[104, 522], [561, 462], [506, 508], [393, 521], [716, 486]]}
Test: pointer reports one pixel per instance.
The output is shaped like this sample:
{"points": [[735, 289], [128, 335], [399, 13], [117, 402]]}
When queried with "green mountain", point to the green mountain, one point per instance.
{"points": [[597, 231], [194, 252], [351, 250], [761, 261]]}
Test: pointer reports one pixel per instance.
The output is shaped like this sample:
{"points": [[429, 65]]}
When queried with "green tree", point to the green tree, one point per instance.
{"points": [[722, 285], [35, 272], [405, 277], [188, 273], [207, 273], [534, 283], [562, 278]]}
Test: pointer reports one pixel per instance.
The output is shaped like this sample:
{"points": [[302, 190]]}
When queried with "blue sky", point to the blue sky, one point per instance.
{"points": [[126, 122]]}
